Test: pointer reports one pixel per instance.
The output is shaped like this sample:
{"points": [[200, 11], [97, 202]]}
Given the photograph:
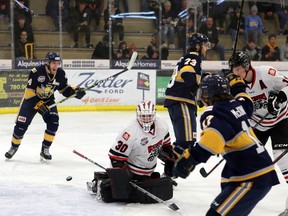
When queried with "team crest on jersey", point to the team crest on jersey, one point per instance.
{"points": [[144, 141], [272, 72], [21, 119], [126, 136], [41, 79]]}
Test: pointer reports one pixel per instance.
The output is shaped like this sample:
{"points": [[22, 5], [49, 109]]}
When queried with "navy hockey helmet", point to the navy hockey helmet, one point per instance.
{"points": [[212, 86], [195, 39], [239, 58], [52, 56]]}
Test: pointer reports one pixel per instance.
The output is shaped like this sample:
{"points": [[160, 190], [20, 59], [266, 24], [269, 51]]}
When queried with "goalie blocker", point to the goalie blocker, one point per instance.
{"points": [[114, 186]]}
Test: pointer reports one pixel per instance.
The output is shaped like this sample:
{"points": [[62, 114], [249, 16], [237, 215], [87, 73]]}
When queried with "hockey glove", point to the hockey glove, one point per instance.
{"points": [[236, 84], [185, 165], [79, 93], [274, 99], [41, 108], [167, 155]]}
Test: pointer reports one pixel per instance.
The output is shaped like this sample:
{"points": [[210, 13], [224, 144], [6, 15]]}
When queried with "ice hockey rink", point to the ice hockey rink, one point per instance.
{"points": [[29, 187]]}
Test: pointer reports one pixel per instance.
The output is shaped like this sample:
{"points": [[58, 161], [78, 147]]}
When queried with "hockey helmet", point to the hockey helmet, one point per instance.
{"points": [[239, 58], [52, 56], [212, 86], [146, 114], [195, 39]]}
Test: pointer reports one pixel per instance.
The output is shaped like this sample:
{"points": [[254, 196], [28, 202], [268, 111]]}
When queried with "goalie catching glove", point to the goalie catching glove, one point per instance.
{"points": [[184, 165], [42, 108], [79, 93], [274, 99]]}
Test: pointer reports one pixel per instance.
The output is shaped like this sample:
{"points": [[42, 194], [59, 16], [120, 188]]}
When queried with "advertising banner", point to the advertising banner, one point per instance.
{"points": [[85, 64], [5, 64], [139, 64], [28, 63], [162, 79], [121, 90], [12, 86]]}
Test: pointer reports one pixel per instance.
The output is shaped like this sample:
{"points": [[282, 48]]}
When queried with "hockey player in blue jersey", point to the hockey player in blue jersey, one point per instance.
{"points": [[249, 173], [181, 92], [43, 81]]}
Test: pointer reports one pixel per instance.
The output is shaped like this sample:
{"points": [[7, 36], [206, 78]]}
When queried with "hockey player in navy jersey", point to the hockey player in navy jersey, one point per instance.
{"points": [[249, 173], [181, 92], [43, 81], [268, 89], [133, 157]]}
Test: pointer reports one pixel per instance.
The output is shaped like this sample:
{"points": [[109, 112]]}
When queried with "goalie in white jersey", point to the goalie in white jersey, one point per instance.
{"points": [[268, 89], [134, 158]]}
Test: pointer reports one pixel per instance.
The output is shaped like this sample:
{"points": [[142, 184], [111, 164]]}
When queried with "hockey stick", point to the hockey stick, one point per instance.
{"points": [[129, 66], [280, 156], [262, 118], [172, 206], [238, 27], [204, 173]]}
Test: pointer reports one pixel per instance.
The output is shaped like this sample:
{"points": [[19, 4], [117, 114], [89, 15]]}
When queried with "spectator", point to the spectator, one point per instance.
{"points": [[284, 51], [168, 25], [132, 48], [268, 11], [232, 29], [283, 18], [271, 52], [95, 8], [252, 50], [101, 50], [20, 50], [152, 50], [123, 51], [80, 23], [210, 30], [116, 24], [20, 10], [52, 10], [4, 8], [254, 26], [125, 4], [22, 25], [181, 25]]}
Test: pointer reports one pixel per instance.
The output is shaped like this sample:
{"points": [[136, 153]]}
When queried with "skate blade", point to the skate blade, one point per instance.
{"points": [[43, 160], [89, 186]]}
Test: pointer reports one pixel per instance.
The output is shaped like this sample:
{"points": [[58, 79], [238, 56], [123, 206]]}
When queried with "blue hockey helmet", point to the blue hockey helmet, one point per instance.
{"points": [[197, 38], [213, 86], [239, 58], [52, 56]]}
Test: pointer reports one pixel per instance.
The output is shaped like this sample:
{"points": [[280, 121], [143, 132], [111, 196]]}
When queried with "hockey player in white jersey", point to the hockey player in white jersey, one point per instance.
{"points": [[134, 158], [268, 89]]}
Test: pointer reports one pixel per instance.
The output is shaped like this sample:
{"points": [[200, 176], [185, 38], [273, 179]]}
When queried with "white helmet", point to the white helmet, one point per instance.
{"points": [[146, 114]]}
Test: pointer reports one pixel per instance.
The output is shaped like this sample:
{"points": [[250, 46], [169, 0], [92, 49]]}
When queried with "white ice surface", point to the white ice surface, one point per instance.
{"points": [[30, 187]]}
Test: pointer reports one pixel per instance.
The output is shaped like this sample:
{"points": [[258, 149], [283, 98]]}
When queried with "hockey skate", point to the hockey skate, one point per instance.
{"points": [[44, 154], [284, 213], [9, 154]]}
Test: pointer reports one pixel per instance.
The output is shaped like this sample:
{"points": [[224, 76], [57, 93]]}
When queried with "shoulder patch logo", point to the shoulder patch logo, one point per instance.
{"points": [[41, 79], [272, 72], [126, 136]]}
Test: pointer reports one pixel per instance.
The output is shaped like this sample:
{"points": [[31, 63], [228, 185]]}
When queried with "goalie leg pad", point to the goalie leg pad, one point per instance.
{"points": [[162, 188], [106, 191], [120, 182]]}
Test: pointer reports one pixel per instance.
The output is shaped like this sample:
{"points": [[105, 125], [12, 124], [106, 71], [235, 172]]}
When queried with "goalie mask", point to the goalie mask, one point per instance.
{"points": [[146, 114]]}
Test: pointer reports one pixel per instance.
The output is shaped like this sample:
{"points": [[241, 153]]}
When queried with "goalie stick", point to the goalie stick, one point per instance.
{"points": [[129, 66], [172, 206]]}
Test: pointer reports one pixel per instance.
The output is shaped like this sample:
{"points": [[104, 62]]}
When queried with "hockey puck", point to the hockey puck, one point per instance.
{"points": [[69, 178]]}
